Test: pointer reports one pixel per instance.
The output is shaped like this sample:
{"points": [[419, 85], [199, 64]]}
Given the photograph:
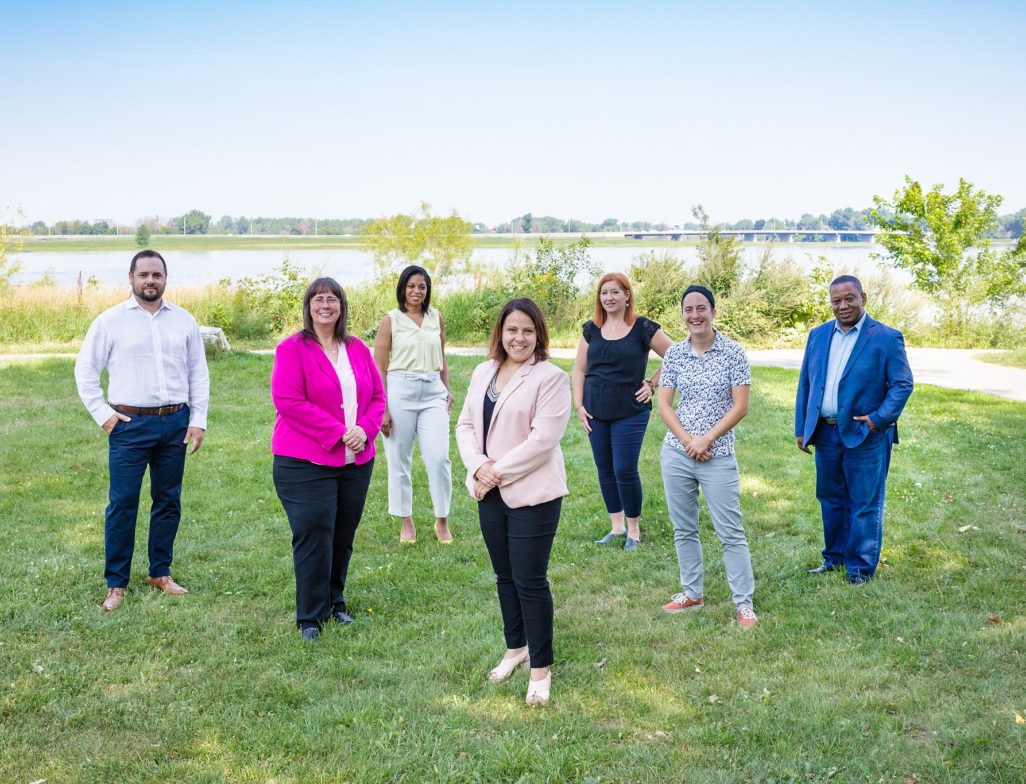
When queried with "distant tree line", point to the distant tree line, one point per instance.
{"points": [[199, 222], [1009, 226]]}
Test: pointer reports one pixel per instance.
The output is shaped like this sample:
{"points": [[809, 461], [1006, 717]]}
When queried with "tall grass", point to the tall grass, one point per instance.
{"points": [[773, 304]]}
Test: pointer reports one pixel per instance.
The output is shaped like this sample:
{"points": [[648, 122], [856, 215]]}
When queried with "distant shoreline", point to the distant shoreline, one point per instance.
{"points": [[208, 242]]}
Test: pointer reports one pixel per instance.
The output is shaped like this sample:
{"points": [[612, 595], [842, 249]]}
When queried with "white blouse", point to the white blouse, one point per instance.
{"points": [[347, 379]]}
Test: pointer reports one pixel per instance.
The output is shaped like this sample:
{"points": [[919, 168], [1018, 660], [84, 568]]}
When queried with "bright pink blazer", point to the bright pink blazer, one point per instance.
{"points": [[527, 424], [308, 396]]}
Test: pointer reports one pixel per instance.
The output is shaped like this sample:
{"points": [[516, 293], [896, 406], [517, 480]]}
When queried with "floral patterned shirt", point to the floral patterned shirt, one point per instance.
{"points": [[704, 384]]}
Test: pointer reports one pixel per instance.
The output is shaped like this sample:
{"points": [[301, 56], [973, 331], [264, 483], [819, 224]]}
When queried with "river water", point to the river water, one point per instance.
{"points": [[351, 266]]}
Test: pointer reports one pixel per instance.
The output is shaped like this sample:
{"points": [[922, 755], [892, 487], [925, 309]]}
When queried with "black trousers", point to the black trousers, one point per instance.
{"points": [[519, 542], [324, 505]]}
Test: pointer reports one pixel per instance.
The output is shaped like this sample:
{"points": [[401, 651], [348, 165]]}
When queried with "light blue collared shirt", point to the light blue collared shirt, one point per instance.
{"points": [[841, 344]]}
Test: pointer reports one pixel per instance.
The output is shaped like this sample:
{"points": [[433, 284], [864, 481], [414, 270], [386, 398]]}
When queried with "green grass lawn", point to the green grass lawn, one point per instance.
{"points": [[1016, 358], [917, 676]]}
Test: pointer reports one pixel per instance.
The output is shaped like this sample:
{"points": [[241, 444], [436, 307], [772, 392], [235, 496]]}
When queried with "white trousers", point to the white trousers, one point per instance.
{"points": [[416, 403]]}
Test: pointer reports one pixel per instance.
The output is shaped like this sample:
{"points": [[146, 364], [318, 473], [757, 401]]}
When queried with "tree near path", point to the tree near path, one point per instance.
{"points": [[10, 241], [941, 240], [442, 245]]}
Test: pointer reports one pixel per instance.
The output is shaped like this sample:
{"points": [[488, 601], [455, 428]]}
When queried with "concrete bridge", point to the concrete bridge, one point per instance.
{"points": [[755, 235]]}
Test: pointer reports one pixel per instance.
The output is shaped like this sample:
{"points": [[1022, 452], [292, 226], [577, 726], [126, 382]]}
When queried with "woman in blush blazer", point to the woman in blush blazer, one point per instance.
{"points": [[508, 434], [330, 401]]}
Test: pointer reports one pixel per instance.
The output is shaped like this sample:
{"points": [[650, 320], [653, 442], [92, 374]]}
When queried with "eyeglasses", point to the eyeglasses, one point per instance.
{"points": [[325, 300]]}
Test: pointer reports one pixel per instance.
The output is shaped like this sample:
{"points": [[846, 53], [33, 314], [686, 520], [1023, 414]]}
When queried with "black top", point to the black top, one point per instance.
{"points": [[490, 399], [616, 369]]}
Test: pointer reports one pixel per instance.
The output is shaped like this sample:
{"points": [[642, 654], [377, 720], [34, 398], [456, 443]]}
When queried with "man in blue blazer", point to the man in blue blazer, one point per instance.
{"points": [[854, 383]]}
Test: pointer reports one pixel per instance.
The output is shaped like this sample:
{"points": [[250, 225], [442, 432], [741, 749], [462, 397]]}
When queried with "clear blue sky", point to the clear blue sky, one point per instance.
{"points": [[588, 110]]}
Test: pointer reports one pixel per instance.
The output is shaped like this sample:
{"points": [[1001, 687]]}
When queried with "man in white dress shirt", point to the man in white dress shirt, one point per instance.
{"points": [[156, 406]]}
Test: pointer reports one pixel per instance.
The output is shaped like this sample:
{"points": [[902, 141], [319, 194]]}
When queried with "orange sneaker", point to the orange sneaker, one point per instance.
{"points": [[681, 603], [746, 617]]}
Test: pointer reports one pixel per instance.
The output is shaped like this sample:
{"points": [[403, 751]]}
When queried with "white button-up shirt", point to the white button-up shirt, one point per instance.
{"points": [[152, 360], [841, 344]]}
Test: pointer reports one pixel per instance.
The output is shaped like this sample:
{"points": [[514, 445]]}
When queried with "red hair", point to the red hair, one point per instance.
{"points": [[629, 316]]}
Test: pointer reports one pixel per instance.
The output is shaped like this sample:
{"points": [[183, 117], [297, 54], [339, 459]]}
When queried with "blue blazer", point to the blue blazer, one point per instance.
{"points": [[876, 381]]}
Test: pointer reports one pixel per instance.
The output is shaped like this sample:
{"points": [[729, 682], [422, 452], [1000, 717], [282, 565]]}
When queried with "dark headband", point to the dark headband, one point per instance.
{"points": [[699, 290]]}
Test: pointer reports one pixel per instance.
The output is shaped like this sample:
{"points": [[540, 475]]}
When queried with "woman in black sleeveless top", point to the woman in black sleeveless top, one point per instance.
{"points": [[612, 398]]}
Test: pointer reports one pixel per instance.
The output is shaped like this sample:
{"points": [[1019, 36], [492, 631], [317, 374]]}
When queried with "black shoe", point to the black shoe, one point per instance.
{"points": [[310, 633], [339, 614], [824, 567], [857, 579]]}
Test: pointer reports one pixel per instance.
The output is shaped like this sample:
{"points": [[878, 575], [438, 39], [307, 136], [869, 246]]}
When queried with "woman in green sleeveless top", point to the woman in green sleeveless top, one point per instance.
{"points": [[410, 354]]}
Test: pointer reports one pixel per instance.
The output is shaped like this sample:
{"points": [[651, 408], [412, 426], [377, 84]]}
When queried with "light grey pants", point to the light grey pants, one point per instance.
{"points": [[416, 403], [718, 479]]}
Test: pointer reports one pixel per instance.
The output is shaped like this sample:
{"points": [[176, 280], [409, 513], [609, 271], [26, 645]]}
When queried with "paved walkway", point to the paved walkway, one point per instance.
{"points": [[943, 367]]}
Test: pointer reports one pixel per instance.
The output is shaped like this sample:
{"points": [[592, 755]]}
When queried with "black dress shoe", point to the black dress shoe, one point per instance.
{"points": [[823, 568], [310, 633], [857, 579], [339, 614]]}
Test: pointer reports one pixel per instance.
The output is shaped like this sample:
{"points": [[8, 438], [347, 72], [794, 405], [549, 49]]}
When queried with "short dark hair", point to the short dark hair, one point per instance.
{"points": [[404, 278], [146, 254], [541, 332], [326, 286], [847, 279], [696, 289]]}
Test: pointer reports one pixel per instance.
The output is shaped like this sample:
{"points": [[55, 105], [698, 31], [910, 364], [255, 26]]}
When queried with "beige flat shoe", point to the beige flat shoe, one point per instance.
{"points": [[507, 666], [538, 691]]}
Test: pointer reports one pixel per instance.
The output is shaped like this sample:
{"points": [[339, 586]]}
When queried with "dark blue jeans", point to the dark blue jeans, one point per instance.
{"points": [[154, 441], [519, 542], [851, 485], [616, 447]]}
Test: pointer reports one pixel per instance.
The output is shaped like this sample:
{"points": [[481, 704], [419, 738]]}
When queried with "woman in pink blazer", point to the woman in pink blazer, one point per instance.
{"points": [[508, 434], [330, 401]]}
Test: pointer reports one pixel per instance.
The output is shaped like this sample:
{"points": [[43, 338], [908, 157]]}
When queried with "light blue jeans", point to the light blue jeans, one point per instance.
{"points": [[719, 482]]}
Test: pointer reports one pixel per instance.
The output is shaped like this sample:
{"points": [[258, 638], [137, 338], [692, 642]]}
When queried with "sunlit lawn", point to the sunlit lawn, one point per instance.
{"points": [[918, 676], [1016, 358]]}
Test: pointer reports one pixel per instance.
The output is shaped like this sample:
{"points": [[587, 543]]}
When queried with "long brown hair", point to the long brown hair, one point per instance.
{"points": [[621, 280], [326, 286], [497, 351]]}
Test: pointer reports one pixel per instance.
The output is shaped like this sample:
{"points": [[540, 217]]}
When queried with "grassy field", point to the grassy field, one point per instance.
{"points": [[916, 677], [1015, 358]]}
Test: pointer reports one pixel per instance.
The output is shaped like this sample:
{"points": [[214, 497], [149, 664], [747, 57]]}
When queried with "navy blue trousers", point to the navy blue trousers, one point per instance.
{"points": [[154, 442], [851, 485], [616, 447]]}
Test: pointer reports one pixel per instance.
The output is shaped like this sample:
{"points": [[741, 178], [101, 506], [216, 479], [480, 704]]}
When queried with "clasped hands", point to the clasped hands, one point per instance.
{"points": [[485, 478], [698, 448], [356, 439]]}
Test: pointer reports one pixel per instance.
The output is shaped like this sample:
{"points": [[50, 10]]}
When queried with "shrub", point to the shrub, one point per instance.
{"points": [[659, 279]]}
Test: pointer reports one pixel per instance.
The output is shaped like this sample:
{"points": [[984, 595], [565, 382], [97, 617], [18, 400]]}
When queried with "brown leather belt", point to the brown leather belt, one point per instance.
{"points": [[157, 411]]}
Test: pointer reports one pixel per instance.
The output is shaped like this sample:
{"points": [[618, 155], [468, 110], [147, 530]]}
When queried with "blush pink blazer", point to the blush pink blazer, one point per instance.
{"points": [[308, 396], [527, 424]]}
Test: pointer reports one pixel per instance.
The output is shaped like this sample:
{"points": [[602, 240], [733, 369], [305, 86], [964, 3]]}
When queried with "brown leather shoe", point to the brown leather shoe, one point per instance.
{"points": [[166, 584], [113, 600]]}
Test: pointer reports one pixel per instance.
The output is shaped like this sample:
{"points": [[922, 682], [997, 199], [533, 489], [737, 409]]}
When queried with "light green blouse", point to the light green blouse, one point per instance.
{"points": [[416, 349]]}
